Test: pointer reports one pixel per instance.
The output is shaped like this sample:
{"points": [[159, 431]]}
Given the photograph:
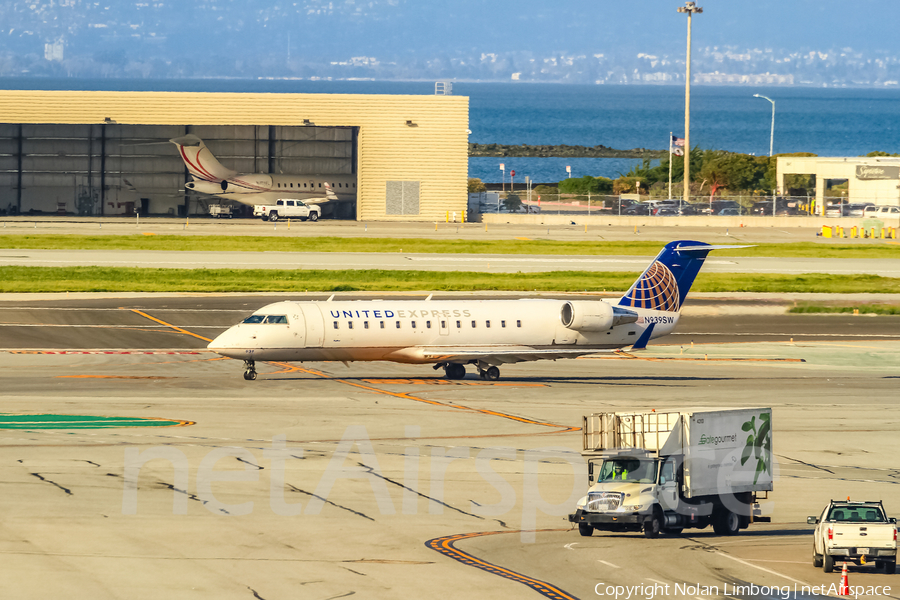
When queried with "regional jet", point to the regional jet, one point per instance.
{"points": [[209, 176], [451, 334]]}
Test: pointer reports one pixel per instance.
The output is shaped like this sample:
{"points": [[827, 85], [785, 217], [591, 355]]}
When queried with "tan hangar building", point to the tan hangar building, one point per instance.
{"points": [[107, 153]]}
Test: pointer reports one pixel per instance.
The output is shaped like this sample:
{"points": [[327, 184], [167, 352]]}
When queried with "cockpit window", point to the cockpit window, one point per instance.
{"points": [[278, 319]]}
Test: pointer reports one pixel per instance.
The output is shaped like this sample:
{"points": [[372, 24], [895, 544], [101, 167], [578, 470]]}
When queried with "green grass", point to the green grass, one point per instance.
{"points": [[864, 309], [217, 243], [109, 279]]}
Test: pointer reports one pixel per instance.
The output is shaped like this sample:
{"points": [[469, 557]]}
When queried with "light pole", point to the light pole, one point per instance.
{"points": [[771, 144], [690, 8], [772, 134]]}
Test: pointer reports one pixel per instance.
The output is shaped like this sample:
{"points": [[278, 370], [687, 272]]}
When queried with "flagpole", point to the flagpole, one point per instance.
{"points": [[670, 166]]}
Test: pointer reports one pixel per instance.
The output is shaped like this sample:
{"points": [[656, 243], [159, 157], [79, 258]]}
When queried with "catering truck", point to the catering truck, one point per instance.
{"points": [[667, 471]]}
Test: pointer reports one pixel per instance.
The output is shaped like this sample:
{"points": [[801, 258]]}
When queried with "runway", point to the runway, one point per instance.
{"points": [[379, 480], [490, 263]]}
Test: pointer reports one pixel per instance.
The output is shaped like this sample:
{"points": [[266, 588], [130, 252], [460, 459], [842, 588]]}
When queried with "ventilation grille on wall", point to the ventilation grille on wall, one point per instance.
{"points": [[402, 198]]}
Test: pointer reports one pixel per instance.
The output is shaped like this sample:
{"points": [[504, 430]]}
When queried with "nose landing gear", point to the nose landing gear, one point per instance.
{"points": [[249, 370]]}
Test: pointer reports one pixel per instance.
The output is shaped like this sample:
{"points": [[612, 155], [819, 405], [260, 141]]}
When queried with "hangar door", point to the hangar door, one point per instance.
{"points": [[120, 169]]}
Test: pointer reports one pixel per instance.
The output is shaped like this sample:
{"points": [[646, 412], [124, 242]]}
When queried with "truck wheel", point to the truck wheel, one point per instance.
{"points": [[653, 525], [726, 522], [314, 216], [828, 563], [265, 217], [585, 530], [817, 558], [273, 216]]}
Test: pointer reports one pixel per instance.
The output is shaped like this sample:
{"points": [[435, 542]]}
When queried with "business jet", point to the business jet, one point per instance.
{"points": [[209, 176], [451, 334]]}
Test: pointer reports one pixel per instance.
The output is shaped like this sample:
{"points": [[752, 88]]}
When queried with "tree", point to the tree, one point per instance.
{"points": [[585, 185], [475, 186], [512, 203]]}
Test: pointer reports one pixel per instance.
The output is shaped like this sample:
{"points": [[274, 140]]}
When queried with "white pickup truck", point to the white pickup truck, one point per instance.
{"points": [[858, 533], [287, 209]]}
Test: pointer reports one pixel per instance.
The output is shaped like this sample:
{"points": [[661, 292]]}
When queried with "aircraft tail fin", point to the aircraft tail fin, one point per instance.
{"points": [[199, 161], [666, 282]]}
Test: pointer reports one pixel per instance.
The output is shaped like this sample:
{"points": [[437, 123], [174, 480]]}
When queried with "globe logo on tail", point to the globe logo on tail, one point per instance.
{"points": [[656, 290]]}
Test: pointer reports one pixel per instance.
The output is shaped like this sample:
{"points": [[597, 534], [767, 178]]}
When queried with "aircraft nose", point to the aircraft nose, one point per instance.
{"points": [[227, 342]]}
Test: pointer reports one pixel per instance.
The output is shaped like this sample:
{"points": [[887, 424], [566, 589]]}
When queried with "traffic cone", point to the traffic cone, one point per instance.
{"points": [[845, 586]]}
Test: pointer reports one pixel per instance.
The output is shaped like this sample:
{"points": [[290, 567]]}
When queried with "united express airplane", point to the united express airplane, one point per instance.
{"points": [[451, 334], [209, 176]]}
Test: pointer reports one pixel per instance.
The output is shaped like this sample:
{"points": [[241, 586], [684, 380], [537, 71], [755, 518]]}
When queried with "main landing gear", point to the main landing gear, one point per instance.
{"points": [[249, 370], [490, 374], [458, 371]]}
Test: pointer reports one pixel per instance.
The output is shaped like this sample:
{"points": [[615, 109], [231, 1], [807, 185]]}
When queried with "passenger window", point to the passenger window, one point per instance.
{"points": [[365, 324], [487, 324], [443, 324], [335, 324], [458, 324], [292, 185], [320, 185], [339, 185], [413, 324], [398, 324], [304, 185], [349, 324], [255, 319], [502, 323], [518, 323], [382, 324], [428, 324], [473, 324], [279, 185]]}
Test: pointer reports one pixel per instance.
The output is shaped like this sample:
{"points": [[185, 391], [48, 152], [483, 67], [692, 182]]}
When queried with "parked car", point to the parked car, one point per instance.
{"points": [[855, 210], [859, 533], [881, 211], [637, 210], [834, 210], [730, 212], [668, 211]]}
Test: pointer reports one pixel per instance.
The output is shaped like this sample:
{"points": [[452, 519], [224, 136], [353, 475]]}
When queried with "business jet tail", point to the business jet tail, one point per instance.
{"points": [[199, 161]]}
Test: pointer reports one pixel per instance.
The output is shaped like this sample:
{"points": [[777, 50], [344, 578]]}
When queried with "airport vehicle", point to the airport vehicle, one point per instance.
{"points": [[221, 210], [451, 334], [667, 471], [881, 211], [858, 533], [209, 176], [287, 209]]}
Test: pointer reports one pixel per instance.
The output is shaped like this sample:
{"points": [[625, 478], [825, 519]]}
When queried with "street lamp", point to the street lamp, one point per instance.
{"points": [[690, 8], [771, 144], [772, 134]]}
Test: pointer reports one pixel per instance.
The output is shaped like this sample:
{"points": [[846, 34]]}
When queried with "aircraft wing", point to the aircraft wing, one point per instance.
{"points": [[495, 355]]}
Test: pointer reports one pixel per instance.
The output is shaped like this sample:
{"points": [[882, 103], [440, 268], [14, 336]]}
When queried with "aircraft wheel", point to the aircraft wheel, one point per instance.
{"points": [[313, 216], [455, 371], [492, 374], [273, 216], [249, 375]]}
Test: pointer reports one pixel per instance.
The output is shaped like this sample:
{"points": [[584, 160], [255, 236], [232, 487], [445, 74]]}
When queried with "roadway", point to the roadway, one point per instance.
{"points": [[491, 263], [383, 463]]}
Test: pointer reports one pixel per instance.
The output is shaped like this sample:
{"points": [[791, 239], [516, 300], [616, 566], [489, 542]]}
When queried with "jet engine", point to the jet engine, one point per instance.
{"points": [[594, 316]]}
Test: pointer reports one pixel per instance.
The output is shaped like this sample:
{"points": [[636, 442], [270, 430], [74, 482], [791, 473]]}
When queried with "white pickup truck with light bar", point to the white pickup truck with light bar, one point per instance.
{"points": [[287, 209], [856, 533], [667, 471]]}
